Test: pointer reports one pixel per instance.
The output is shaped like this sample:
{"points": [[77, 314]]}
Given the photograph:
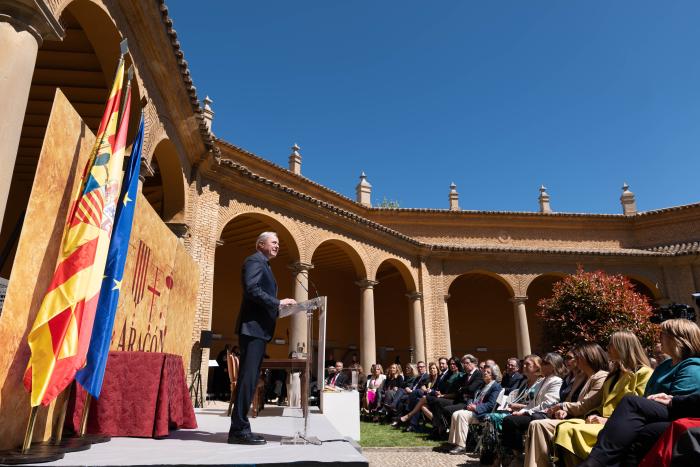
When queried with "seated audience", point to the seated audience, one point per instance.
{"points": [[573, 378], [521, 397], [390, 387], [446, 384], [513, 378], [638, 422], [592, 362], [629, 374], [416, 377], [443, 408], [515, 425], [339, 379], [483, 403], [374, 382]]}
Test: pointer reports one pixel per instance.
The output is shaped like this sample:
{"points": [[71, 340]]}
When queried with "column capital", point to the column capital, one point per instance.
{"points": [[414, 295], [366, 284], [519, 299], [297, 267], [33, 16]]}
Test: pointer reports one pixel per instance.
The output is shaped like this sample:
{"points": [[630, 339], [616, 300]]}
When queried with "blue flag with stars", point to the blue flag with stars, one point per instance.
{"points": [[91, 376]]}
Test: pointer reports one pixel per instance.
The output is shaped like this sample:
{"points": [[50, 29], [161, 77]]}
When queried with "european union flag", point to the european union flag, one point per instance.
{"points": [[91, 376]]}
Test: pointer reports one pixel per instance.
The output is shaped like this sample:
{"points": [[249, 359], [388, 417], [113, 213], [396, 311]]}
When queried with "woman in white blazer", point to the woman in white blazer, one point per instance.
{"points": [[515, 425]]}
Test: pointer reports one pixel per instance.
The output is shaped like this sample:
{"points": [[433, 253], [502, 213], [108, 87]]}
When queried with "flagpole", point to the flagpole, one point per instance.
{"points": [[62, 417], [30, 430], [86, 411]]}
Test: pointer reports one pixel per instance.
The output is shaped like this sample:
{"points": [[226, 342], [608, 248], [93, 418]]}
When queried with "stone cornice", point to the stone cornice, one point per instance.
{"points": [[434, 248], [160, 59]]}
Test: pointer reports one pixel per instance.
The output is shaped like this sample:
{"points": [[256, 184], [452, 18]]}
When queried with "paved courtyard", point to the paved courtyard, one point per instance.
{"points": [[381, 457]]}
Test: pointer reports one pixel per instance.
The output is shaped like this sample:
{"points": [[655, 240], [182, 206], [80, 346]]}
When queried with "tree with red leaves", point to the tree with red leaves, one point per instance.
{"points": [[590, 306]]}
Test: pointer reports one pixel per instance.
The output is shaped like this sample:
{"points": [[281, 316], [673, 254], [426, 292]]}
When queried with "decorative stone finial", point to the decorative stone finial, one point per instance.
{"points": [[295, 160], [454, 197], [208, 113], [363, 191], [544, 200], [628, 201]]}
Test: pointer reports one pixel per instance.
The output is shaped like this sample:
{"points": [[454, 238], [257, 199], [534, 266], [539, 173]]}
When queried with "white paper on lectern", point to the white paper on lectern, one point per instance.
{"points": [[304, 306]]}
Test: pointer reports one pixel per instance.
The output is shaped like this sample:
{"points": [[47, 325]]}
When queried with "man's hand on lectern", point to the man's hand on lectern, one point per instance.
{"points": [[287, 302]]}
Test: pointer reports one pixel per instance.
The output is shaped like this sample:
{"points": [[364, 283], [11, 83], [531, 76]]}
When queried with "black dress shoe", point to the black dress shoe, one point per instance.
{"points": [[247, 438], [458, 450]]}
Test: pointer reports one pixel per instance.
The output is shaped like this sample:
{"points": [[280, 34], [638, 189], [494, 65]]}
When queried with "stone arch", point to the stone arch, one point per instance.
{"points": [[83, 66], [393, 312], [645, 286], [337, 270], [335, 243], [485, 272], [286, 232], [540, 287], [104, 35], [480, 315], [403, 270], [165, 190]]}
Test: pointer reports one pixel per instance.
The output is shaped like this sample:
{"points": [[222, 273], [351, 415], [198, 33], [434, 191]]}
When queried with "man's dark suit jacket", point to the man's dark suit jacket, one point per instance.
{"points": [[512, 381], [260, 306], [341, 382], [470, 384], [420, 381]]}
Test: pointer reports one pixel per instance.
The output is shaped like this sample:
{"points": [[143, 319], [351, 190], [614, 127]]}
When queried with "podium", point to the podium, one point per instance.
{"points": [[308, 307]]}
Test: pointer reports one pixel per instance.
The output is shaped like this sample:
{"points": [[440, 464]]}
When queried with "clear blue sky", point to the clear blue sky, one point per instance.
{"points": [[497, 96]]}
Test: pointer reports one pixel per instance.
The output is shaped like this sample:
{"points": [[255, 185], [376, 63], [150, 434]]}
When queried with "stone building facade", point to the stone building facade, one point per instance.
{"points": [[412, 283]]}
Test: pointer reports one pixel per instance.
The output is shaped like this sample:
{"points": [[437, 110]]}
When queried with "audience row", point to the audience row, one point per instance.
{"points": [[589, 407]]}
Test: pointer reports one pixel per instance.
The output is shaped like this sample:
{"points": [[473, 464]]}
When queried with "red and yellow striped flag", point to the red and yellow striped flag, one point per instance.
{"points": [[60, 336]]}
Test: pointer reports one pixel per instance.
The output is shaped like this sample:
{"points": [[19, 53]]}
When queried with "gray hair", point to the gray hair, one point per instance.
{"points": [[471, 359], [264, 236], [495, 372]]}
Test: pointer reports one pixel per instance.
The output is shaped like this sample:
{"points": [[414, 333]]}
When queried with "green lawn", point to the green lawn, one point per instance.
{"points": [[373, 435]]}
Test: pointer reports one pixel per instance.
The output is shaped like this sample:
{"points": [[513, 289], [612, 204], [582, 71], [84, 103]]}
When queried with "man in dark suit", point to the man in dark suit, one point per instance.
{"points": [[513, 378], [338, 379], [255, 328], [442, 409]]}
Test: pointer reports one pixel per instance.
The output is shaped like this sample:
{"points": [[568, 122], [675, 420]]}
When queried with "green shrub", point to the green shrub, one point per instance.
{"points": [[590, 306]]}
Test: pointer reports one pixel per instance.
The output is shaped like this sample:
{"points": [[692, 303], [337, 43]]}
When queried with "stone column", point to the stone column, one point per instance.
{"points": [[23, 26], [297, 327], [448, 341], [368, 344], [417, 335], [522, 334]]}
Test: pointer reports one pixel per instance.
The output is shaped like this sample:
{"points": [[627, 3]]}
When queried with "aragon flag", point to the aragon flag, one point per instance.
{"points": [[60, 335], [92, 375]]}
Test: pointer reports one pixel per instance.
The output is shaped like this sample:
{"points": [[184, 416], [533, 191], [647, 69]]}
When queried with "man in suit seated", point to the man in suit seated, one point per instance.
{"points": [[338, 379]]}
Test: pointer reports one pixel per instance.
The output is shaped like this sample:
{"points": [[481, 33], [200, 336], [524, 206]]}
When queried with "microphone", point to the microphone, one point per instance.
{"points": [[306, 274]]}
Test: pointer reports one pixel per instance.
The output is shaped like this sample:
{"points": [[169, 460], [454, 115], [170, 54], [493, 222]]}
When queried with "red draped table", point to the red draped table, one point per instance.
{"points": [[144, 395]]}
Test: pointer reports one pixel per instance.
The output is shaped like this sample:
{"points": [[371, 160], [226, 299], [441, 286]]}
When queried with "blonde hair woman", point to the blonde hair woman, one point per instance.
{"points": [[629, 374], [374, 382], [677, 377]]}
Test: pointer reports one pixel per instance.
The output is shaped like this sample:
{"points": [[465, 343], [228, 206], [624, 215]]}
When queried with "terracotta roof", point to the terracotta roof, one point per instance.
{"points": [[286, 171], [445, 210], [245, 172], [669, 209], [204, 131], [678, 249]]}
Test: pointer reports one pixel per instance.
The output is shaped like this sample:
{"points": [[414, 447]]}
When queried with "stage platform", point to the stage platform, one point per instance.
{"points": [[207, 445]]}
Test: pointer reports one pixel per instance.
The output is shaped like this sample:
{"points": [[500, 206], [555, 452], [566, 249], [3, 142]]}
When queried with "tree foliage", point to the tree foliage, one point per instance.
{"points": [[590, 306]]}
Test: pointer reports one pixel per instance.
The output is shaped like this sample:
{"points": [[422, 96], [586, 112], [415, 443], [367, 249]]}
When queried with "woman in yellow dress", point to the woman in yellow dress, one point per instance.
{"points": [[629, 375]]}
